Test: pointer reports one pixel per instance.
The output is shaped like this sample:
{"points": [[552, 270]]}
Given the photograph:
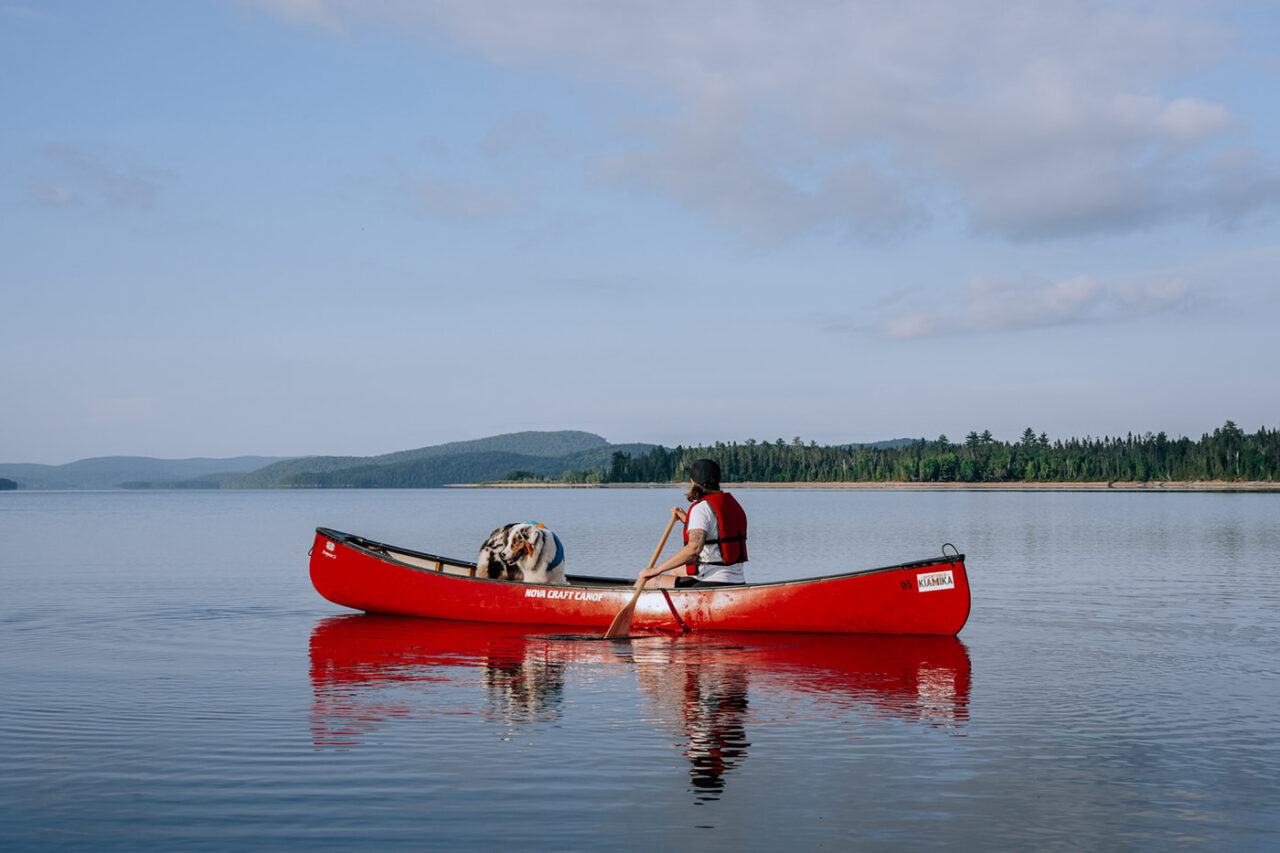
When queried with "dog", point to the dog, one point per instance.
{"points": [[523, 552]]}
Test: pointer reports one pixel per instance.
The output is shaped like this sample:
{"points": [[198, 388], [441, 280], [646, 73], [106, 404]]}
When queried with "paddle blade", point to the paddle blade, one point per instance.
{"points": [[621, 625]]}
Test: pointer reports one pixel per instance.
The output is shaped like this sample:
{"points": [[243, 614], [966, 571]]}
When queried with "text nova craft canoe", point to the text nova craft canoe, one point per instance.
{"points": [[922, 597]]}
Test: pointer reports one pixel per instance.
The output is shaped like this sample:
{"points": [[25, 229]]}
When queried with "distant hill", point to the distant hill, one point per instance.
{"points": [[112, 472], [541, 444], [547, 454], [467, 467], [540, 454]]}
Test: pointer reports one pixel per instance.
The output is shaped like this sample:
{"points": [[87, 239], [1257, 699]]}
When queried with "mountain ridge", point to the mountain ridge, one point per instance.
{"points": [[546, 453], [533, 454], [109, 472], [528, 443]]}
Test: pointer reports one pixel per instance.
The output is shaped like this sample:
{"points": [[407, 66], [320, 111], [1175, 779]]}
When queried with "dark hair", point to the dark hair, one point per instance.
{"points": [[695, 493]]}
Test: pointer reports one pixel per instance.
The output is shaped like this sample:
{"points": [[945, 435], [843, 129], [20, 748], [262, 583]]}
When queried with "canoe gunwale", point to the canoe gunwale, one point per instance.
{"points": [[386, 552]]}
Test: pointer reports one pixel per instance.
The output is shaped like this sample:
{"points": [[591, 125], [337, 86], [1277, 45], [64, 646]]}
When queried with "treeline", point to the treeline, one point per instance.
{"points": [[1228, 454]]}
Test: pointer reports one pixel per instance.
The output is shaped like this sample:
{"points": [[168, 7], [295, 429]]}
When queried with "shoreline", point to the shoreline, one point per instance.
{"points": [[1100, 486]]}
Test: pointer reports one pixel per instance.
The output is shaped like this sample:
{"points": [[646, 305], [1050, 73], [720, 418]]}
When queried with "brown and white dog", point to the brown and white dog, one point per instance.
{"points": [[524, 552]]}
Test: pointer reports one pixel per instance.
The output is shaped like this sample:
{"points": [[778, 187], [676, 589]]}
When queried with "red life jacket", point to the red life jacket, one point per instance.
{"points": [[732, 521]]}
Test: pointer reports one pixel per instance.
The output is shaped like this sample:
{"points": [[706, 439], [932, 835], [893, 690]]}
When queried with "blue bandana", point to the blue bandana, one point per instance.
{"points": [[559, 557]]}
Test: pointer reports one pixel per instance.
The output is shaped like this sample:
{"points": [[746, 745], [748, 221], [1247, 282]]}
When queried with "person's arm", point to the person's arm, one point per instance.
{"points": [[684, 557]]}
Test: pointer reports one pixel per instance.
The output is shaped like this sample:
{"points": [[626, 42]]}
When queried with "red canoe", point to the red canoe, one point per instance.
{"points": [[923, 597]]}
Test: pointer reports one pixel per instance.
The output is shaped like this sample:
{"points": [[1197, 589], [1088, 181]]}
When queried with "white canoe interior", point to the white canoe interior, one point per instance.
{"points": [[468, 570]]}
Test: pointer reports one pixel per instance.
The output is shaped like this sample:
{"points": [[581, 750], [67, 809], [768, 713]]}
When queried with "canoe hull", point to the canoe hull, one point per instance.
{"points": [[925, 597]]}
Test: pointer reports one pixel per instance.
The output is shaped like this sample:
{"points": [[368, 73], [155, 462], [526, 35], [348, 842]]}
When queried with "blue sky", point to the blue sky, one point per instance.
{"points": [[327, 226]]}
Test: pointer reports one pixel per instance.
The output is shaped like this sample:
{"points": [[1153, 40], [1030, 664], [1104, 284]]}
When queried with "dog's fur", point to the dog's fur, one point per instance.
{"points": [[522, 553]]}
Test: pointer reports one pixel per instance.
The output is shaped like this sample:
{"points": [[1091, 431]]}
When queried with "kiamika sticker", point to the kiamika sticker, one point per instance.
{"points": [[930, 581]]}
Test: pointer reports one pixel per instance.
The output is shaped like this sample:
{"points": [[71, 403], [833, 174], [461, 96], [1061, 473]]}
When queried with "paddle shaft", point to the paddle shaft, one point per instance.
{"points": [[621, 624]]}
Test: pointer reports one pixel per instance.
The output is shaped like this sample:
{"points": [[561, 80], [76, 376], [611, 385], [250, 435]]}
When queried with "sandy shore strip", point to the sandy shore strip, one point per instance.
{"points": [[1126, 486]]}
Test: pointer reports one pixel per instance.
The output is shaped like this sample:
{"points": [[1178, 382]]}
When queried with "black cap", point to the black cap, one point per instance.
{"points": [[706, 473]]}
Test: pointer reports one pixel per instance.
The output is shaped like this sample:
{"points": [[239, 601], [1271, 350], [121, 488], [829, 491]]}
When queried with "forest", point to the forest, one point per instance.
{"points": [[1228, 454]]}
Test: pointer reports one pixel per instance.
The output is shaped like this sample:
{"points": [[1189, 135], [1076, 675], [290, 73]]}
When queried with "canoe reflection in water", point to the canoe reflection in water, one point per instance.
{"points": [[368, 671]]}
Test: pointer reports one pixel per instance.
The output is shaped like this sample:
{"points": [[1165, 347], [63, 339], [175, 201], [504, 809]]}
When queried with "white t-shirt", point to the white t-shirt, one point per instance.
{"points": [[703, 517]]}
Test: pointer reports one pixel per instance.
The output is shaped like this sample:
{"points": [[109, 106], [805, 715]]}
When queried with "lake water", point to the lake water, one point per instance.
{"points": [[171, 681]]}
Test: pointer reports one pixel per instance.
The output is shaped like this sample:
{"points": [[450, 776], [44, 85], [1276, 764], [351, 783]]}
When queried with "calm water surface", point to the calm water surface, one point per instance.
{"points": [[171, 681]]}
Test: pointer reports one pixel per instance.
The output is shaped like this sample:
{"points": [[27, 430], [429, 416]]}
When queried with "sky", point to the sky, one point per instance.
{"points": [[288, 227]]}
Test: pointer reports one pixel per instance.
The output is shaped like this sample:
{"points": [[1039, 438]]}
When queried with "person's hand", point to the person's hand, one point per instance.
{"points": [[680, 514]]}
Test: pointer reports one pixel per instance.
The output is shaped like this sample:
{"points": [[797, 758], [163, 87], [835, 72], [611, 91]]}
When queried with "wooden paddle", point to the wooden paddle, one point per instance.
{"points": [[621, 624]]}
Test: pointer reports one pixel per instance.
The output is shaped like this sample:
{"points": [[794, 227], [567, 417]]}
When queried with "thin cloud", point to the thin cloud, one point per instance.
{"points": [[19, 13], [910, 326], [420, 189], [1039, 122], [997, 306], [70, 176], [705, 165], [1005, 305], [55, 195], [1240, 185], [517, 133], [455, 201], [316, 13]]}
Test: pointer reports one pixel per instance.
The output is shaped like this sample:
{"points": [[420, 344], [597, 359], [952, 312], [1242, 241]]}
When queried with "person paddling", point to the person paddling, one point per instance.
{"points": [[715, 536]]}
